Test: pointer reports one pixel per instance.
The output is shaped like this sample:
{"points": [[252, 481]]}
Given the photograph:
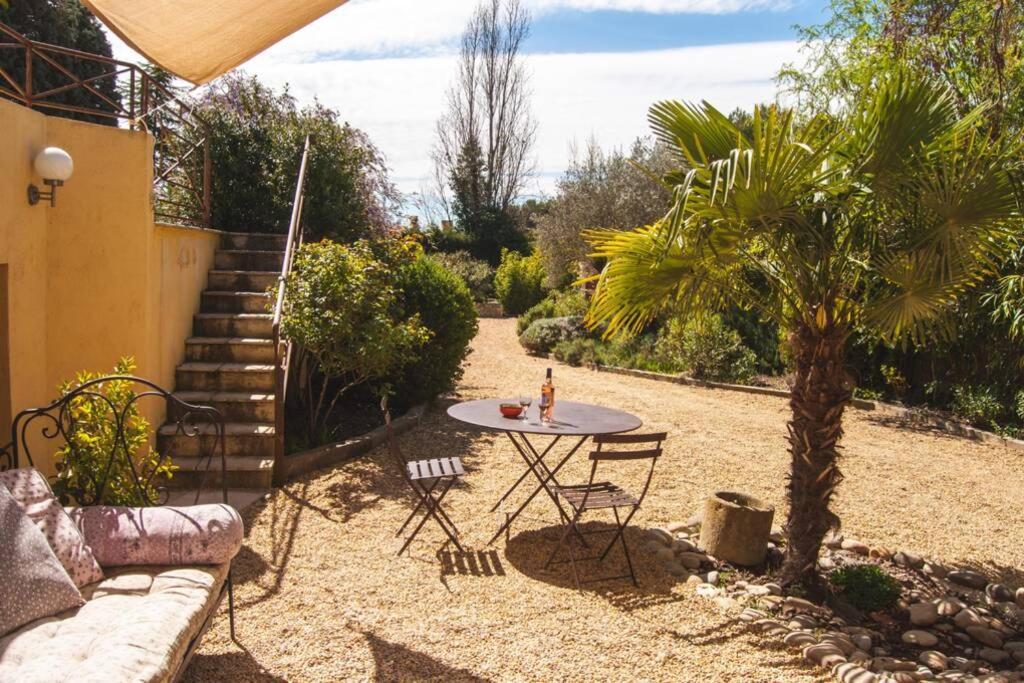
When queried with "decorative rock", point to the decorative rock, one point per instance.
{"points": [[664, 554], [750, 614], [860, 656], [840, 640], [892, 664], [799, 639], [773, 588], [935, 569], [776, 535], [968, 577], [993, 655], [923, 614], [960, 663], [826, 563], [675, 527], [855, 546], [726, 603], [681, 545], [755, 589], [934, 660], [997, 592], [1019, 597], [906, 558], [920, 638], [985, 636], [1014, 645], [825, 654], [967, 617], [834, 541], [690, 560], [853, 673], [706, 590], [676, 569], [880, 554], [693, 579], [661, 536], [949, 607], [861, 641], [694, 520], [803, 621], [799, 604], [712, 578]]}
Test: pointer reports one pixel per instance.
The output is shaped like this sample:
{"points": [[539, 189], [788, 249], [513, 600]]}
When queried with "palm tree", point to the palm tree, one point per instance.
{"points": [[877, 219]]}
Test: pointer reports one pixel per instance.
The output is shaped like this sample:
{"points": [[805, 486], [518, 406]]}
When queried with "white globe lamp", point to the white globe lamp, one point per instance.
{"points": [[55, 166]]}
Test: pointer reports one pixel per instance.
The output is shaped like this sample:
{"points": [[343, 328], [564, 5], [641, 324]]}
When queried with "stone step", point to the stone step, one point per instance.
{"points": [[253, 240], [225, 349], [233, 325], [235, 406], [244, 259], [235, 302], [242, 471], [242, 280], [213, 376], [250, 439]]}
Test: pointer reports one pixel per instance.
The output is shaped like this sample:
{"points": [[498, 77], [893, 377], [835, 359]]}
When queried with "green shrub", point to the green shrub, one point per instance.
{"points": [[542, 335], [85, 460], [478, 276], [442, 301], [979, 405], [576, 352], [255, 144], [866, 587], [344, 308], [557, 304], [708, 349], [519, 281]]}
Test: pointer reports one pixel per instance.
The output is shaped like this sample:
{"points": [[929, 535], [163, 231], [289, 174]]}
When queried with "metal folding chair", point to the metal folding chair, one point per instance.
{"points": [[430, 480], [595, 495]]}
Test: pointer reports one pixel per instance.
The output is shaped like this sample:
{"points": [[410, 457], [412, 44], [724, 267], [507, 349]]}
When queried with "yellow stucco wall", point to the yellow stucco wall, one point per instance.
{"points": [[93, 278]]}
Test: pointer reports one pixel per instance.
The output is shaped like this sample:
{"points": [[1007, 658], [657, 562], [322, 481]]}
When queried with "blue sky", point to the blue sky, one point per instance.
{"points": [[595, 66]]}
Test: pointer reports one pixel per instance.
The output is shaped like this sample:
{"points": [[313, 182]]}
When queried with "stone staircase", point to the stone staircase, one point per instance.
{"points": [[229, 364]]}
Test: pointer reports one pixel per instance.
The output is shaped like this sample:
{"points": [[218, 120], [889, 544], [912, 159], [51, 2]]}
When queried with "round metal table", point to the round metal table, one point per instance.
{"points": [[571, 419]]}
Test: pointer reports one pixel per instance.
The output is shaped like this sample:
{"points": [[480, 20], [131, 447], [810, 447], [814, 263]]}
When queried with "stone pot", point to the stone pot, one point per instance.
{"points": [[735, 528]]}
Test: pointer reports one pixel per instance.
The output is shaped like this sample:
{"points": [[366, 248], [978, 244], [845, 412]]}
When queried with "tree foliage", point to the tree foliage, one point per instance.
{"points": [[601, 189], [255, 147], [519, 281], [880, 219], [69, 24]]}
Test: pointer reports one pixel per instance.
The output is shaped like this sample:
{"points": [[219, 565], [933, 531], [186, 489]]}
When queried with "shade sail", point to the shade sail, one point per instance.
{"points": [[199, 40]]}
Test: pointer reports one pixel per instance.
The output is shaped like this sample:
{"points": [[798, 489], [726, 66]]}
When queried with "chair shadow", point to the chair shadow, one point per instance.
{"points": [[470, 563], [528, 551], [396, 662]]}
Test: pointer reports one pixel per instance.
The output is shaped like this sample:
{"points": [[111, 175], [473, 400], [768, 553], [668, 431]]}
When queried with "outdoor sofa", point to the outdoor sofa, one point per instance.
{"points": [[162, 570]]}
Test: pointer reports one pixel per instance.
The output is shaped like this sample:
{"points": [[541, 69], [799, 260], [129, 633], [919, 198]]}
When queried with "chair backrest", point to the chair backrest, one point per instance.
{"points": [[642, 447]]}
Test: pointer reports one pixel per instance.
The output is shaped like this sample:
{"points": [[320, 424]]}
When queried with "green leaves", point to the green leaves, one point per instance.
{"points": [[882, 217]]}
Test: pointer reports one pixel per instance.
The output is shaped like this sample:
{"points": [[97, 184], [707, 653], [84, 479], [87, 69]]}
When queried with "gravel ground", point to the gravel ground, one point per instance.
{"points": [[322, 597]]}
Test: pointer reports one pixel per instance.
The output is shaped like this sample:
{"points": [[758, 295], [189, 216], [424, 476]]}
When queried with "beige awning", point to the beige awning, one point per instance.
{"points": [[199, 40]]}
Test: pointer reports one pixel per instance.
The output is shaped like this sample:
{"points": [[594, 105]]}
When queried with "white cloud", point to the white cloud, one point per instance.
{"points": [[575, 96], [383, 27]]}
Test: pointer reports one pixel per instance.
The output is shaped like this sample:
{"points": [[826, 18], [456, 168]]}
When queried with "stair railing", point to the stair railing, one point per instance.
{"points": [[117, 92], [283, 356]]}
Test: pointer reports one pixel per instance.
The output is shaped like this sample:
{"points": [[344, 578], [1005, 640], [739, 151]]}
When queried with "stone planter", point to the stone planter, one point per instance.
{"points": [[735, 528]]}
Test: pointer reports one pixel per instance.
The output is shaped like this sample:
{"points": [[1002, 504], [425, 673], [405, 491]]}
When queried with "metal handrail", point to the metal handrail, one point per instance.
{"points": [[145, 97], [282, 361]]}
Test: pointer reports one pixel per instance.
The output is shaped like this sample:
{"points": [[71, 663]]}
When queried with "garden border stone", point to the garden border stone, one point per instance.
{"points": [[914, 417], [303, 462]]}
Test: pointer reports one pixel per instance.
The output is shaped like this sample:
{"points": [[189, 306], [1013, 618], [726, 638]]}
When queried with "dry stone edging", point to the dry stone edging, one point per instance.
{"points": [[957, 642], [912, 416]]}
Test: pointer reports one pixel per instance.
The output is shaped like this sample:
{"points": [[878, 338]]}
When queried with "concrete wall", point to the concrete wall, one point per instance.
{"points": [[93, 278]]}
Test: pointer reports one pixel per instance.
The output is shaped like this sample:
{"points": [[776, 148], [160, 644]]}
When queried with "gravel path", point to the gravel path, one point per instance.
{"points": [[322, 597]]}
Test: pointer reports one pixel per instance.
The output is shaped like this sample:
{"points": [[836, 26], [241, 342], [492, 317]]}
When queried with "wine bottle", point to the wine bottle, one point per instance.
{"points": [[547, 399]]}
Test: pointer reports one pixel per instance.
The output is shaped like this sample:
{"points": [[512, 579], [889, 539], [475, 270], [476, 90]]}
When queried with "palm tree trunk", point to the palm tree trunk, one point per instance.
{"points": [[821, 391]]}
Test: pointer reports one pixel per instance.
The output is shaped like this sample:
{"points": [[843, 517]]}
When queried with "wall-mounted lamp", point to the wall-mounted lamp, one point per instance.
{"points": [[55, 166]]}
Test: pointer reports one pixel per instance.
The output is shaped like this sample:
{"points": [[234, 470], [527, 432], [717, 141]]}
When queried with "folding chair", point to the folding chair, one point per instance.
{"points": [[602, 495], [430, 480]]}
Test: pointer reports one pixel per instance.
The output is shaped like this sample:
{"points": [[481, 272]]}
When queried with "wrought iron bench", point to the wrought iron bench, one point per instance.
{"points": [[199, 590]]}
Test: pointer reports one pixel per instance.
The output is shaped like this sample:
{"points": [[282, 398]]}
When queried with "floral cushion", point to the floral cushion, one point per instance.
{"points": [[192, 535], [33, 584], [35, 498]]}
